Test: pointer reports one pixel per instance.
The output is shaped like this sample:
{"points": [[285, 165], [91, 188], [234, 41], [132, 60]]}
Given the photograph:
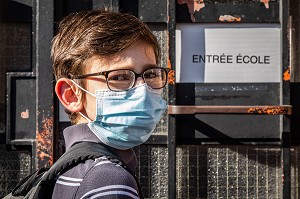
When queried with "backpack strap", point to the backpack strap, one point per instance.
{"points": [[81, 152], [28, 182]]}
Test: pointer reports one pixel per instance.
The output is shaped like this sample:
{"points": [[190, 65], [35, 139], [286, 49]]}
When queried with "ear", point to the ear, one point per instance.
{"points": [[69, 95]]}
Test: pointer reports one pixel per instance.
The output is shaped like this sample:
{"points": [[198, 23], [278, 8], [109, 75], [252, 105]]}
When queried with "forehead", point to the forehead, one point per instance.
{"points": [[136, 57]]}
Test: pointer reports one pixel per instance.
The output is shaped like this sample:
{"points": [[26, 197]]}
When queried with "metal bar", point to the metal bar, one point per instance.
{"points": [[295, 40], [157, 140], [286, 124], [172, 101], [286, 165], [43, 33], [259, 110]]}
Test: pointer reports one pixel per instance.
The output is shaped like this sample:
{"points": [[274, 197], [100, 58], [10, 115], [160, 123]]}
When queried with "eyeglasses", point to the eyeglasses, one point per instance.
{"points": [[124, 79]]}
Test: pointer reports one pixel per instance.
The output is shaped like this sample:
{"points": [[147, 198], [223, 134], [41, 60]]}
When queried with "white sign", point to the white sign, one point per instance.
{"points": [[228, 53]]}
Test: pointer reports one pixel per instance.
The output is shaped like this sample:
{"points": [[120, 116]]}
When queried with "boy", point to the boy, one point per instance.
{"points": [[108, 80]]}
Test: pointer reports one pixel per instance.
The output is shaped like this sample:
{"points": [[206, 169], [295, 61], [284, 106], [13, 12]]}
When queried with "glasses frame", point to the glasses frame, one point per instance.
{"points": [[136, 75]]}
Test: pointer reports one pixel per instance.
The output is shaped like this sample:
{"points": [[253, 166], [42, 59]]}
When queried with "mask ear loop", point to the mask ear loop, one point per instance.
{"points": [[92, 94]]}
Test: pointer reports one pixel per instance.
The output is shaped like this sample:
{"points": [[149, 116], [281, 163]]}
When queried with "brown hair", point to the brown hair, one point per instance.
{"points": [[99, 32]]}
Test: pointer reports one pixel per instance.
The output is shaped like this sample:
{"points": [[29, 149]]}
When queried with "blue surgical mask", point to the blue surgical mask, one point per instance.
{"points": [[126, 119]]}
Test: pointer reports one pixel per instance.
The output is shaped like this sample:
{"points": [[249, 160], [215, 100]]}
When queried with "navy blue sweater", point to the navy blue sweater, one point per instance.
{"points": [[99, 178]]}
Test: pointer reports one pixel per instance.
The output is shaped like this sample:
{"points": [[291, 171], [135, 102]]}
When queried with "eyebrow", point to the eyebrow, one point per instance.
{"points": [[131, 67]]}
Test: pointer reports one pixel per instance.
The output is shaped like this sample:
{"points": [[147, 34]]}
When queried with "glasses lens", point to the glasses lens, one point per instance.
{"points": [[155, 77], [120, 80]]}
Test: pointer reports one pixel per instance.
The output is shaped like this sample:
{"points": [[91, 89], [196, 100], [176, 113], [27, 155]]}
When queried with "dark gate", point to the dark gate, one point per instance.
{"points": [[219, 139]]}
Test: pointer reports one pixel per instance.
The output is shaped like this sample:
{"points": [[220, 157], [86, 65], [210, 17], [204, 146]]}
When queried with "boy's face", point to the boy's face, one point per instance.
{"points": [[137, 57]]}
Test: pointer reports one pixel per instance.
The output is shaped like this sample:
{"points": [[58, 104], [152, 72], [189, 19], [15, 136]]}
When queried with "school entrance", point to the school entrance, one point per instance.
{"points": [[232, 126]]}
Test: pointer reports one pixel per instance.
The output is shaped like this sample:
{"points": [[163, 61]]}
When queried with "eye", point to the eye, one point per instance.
{"points": [[151, 74], [120, 77]]}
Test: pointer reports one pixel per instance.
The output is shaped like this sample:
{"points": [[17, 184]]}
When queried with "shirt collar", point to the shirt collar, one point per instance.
{"points": [[81, 132]]}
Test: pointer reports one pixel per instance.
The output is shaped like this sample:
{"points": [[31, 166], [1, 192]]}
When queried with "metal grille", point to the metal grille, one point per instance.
{"points": [[295, 173], [161, 35], [152, 170], [229, 172], [13, 167], [214, 172]]}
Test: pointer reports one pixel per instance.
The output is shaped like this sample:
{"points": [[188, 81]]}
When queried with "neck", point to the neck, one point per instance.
{"points": [[83, 118]]}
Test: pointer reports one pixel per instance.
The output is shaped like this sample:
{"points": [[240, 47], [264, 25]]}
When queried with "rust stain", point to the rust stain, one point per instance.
{"points": [[287, 74], [25, 114], [229, 18], [171, 77], [44, 141], [266, 2], [171, 74], [169, 64], [193, 5], [271, 110]]}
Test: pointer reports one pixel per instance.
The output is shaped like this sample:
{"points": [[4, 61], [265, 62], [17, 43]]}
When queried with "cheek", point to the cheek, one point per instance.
{"points": [[94, 84], [90, 86], [90, 105], [90, 102]]}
